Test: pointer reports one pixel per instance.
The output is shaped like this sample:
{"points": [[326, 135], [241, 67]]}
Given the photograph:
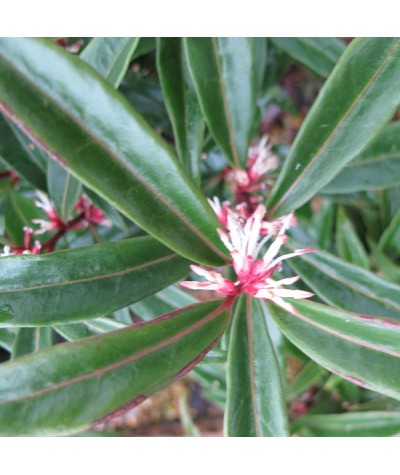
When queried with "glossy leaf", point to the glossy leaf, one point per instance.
{"points": [[376, 168], [85, 282], [182, 104], [17, 157], [349, 244], [64, 189], [31, 340], [70, 386], [347, 286], [362, 349], [117, 150], [224, 77], [320, 55], [354, 104], [364, 424], [110, 57], [255, 399]]}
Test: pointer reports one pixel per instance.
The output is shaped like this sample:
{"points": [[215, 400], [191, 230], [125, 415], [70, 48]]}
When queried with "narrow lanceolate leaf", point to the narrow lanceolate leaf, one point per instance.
{"points": [[362, 349], [376, 168], [164, 301], [255, 398], [224, 77], [84, 123], [320, 55], [310, 375], [364, 424], [182, 104], [64, 189], [110, 57], [354, 104], [390, 240], [17, 157], [31, 340], [85, 282], [350, 247], [347, 286], [68, 387]]}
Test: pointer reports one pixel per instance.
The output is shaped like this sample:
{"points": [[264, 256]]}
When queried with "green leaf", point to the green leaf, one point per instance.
{"points": [[349, 244], [7, 338], [77, 331], [85, 282], [31, 340], [224, 76], [310, 375], [354, 104], [323, 224], [182, 104], [376, 168], [255, 398], [110, 57], [19, 214], [145, 45], [116, 152], [17, 157], [64, 189], [68, 387], [390, 240], [320, 55], [361, 349], [347, 286], [164, 301], [364, 424]]}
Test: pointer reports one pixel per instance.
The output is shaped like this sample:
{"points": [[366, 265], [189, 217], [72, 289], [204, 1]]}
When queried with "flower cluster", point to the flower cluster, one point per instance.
{"points": [[246, 184], [27, 248], [245, 239], [86, 214]]}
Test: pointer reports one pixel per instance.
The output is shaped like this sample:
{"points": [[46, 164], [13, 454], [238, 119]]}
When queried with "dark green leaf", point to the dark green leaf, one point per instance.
{"points": [[347, 286], [308, 376], [85, 282], [182, 104], [320, 55], [82, 121], [64, 189], [223, 74], [377, 167], [365, 424], [17, 157], [354, 104], [7, 338], [349, 245], [361, 349], [164, 301], [31, 340], [255, 398], [390, 240], [19, 214], [110, 57], [68, 387]]}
